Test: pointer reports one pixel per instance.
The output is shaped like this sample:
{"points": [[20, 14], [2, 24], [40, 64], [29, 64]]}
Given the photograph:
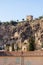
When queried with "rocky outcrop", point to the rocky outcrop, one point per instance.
{"points": [[22, 31]]}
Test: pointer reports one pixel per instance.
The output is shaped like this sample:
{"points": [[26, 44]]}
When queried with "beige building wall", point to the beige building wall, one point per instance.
{"points": [[29, 18]]}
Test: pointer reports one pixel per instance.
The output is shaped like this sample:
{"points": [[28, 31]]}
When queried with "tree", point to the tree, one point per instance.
{"points": [[13, 22], [40, 17], [23, 19], [17, 20], [42, 45], [32, 44], [6, 23], [13, 47], [7, 47], [0, 22]]}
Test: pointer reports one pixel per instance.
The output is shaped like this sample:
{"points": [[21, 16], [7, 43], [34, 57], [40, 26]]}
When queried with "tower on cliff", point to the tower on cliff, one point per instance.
{"points": [[29, 18]]}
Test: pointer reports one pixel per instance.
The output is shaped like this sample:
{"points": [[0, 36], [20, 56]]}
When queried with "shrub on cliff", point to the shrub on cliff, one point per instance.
{"points": [[31, 44]]}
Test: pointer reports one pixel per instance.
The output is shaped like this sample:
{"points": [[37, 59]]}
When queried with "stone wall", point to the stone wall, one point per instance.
{"points": [[20, 58], [29, 18]]}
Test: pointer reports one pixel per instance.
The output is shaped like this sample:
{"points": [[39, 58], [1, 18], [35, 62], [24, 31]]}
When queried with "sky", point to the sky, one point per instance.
{"points": [[19, 9]]}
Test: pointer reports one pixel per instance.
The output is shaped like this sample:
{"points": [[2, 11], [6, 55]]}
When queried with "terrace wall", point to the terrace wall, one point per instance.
{"points": [[23, 58]]}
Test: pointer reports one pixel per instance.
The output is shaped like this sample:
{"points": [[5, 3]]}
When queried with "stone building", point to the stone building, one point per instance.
{"points": [[29, 18]]}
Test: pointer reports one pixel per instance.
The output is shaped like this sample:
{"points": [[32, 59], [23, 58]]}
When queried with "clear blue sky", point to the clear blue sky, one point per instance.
{"points": [[18, 9]]}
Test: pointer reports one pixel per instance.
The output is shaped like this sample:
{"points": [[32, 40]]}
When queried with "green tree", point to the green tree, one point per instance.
{"points": [[13, 22], [6, 23], [32, 44], [40, 17], [17, 20], [7, 47], [23, 19], [0, 22], [42, 45], [13, 47]]}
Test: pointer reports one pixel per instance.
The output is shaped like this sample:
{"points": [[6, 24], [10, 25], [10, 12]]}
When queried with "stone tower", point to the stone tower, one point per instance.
{"points": [[29, 18]]}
